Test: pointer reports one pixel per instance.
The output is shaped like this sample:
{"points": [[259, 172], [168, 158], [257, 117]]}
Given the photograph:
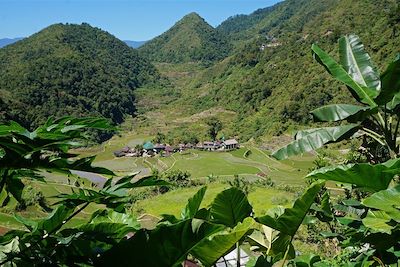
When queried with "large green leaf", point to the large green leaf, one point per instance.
{"points": [[307, 260], [290, 221], [358, 64], [394, 103], [315, 138], [378, 221], [167, 245], [115, 217], [193, 204], [386, 200], [209, 250], [53, 222], [362, 93], [374, 177], [230, 207], [390, 83], [338, 112]]}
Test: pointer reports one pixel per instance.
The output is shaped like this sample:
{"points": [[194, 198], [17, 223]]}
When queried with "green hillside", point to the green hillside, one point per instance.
{"points": [[271, 80], [70, 70], [191, 39]]}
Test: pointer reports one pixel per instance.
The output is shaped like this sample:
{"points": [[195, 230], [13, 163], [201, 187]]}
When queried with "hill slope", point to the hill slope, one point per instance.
{"points": [[70, 69], [190, 40], [271, 79]]}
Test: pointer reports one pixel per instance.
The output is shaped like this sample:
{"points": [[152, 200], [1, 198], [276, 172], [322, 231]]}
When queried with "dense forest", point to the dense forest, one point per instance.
{"points": [[70, 70]]}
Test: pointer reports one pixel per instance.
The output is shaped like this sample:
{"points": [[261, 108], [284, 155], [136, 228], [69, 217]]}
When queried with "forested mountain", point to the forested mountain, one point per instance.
{"points": [[8, 41], [69, 69], [271, 79], [191, 39]]}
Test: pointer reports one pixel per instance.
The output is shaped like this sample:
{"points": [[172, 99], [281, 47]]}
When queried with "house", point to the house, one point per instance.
{"points": [[159, 147], [207, 145], [122, 152], [199, 146], [169, 149], [148, 146], [230, 144]]}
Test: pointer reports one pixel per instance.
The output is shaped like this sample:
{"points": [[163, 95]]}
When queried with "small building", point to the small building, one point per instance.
{"points": [[169, 149], [148, 146], [159, 147], [230, 144], [207, 145], [199, 146], [122, 152]]}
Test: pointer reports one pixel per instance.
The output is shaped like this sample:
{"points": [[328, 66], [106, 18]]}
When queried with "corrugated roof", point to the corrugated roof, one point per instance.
{"points": [[231, 142], [148, 145]]}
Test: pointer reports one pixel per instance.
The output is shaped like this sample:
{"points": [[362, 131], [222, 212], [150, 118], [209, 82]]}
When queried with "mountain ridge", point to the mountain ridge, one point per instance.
{"points": [[191, 39], [70, 69]]}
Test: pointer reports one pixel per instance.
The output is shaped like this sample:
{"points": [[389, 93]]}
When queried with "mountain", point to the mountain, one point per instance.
{"points": [[135, 44], [8, 41], [69, 69], [191, 39], [271, 80], [237, 27]]}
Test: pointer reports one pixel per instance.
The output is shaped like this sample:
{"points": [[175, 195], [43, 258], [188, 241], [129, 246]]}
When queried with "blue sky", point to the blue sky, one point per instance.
{"points": [[127, 19]]}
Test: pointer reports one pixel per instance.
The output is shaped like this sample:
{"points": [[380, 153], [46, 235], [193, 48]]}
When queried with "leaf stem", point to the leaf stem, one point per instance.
{"points": [[374, 135], [237, 255], [286, 253]]}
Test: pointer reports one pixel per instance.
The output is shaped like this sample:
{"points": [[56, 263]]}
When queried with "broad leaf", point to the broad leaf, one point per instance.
{"points": [[260, 261], [10, 248], [167, 245], [230, 207], [374, 177], [338, 112], [209, 250], [358, 64], [51, 223], [387, 200], [315, 138], [378, 221], [394, 103], [290, 221], [110, 216], [193, 204], [390, 84], [362, 93], [307, 260]]}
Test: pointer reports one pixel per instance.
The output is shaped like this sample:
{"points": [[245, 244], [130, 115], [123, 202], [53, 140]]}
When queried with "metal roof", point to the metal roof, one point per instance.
{"points": [[231, 142]]}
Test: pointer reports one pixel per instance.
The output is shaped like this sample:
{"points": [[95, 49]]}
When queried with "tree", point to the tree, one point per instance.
{"points": [[375, 118], [159, 138], [214, 126]]}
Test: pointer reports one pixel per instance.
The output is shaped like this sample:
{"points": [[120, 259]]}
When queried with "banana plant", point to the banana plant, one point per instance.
{"points": [[377, 114]]}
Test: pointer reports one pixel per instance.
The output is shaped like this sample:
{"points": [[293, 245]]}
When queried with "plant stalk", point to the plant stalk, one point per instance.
{"points": [[237, 254], [374, 135]]}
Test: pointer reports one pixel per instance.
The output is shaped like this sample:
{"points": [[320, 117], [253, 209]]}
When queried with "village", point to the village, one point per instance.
{"points": [[148, 149]]}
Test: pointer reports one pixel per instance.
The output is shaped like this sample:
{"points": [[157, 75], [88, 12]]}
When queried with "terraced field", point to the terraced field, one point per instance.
{"points": [[248, 162]]}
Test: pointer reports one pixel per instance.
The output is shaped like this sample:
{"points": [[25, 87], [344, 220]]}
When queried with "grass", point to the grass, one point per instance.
{"points": [[172, 202]]}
